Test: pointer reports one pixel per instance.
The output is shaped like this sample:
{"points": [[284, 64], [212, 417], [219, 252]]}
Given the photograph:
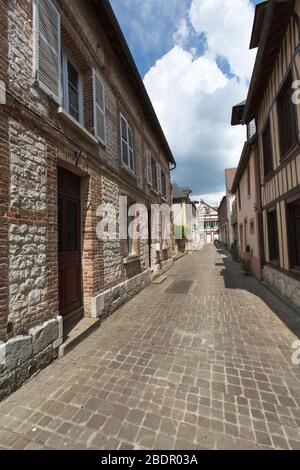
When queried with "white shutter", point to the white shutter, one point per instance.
{"points": [[158, 172], [149, 167], [99, 108], [47, 48]]}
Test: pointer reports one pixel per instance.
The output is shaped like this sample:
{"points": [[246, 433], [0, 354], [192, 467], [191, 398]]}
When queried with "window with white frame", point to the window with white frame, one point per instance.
{"points": [[149, 166], [127, 144], [164, 184], [158, 177], [72, 94], [99, 107]]}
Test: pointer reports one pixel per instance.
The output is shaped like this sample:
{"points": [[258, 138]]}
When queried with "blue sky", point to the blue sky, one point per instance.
{"points": [[193, 53]]}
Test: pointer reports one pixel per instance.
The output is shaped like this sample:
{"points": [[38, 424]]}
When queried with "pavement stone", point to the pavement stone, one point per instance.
{"points": [[210, 368]]}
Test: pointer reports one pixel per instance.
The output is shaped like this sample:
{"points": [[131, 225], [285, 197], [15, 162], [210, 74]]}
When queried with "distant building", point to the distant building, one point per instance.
{"points": [[208, 223], [186, 230], [223, 221], [230, 197]]}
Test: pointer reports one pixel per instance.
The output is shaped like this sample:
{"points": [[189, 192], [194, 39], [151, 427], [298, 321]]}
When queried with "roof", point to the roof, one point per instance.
{"points": [[229, 177], [259, 17], [180, 193], [118, 42], [223, 202], [268, 31], [237, 113]]}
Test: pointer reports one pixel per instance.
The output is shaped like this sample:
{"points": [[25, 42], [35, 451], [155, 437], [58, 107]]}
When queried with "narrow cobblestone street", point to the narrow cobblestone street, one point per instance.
{"points": [[201, 361]]}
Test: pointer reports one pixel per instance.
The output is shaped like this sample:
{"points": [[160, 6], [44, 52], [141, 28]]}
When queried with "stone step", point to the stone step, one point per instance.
{"points": [[83, 328], [159, 280]]}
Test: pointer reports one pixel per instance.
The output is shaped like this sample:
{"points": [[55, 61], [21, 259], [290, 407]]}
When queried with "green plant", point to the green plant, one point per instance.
{"points": [[234, 251], [246, 266]]}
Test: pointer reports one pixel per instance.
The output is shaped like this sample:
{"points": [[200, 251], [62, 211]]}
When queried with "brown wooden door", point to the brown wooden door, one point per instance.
{"points": [[69, 243]]}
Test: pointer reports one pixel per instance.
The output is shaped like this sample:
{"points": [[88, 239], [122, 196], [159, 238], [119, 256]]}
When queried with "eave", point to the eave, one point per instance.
{"points": [[276, 19], [118, 43]]}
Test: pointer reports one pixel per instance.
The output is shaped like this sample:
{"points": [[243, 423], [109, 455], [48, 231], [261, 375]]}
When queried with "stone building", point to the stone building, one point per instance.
{"points": [[77, 130], [273, 105]]}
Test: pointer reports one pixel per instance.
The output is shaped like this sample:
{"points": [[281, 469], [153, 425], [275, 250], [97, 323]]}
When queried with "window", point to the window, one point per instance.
{"points": [[252, 227], [239, 197], [71, 89], [164, 185], [127, 144], [286, 117], [273, 236], [267, 150], [99, 108], [294, 234], [248, 180], [149, 167], [158, 178]]}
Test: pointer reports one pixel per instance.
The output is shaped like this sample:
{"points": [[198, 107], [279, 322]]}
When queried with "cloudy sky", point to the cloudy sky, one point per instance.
{"points": [[194, 58]]}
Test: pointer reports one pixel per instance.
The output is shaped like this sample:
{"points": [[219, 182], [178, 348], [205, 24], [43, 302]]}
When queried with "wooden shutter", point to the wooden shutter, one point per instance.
{"points": [[158, 172], [99, 108], [47, 48], [149, 167]]}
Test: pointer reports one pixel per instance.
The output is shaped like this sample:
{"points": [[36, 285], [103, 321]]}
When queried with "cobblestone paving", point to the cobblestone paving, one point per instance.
{"points": [[207, 367]]}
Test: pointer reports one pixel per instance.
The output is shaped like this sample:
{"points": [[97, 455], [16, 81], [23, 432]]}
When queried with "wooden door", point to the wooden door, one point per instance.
{"points": [[69, 242]]}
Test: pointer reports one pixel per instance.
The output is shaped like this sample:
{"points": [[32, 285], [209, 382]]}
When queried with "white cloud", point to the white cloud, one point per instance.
{"points": [[182, 34], [193, 100], [227, 25], [193, 97]]}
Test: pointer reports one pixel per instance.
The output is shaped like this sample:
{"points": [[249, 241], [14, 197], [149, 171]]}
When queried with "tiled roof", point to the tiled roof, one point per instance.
{"points": [[229, 177]]}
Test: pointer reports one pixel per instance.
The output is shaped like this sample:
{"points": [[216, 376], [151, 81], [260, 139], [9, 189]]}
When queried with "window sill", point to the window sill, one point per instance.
{"points": [[128, 170], [77, 126], [133, 258], [155, 191]]}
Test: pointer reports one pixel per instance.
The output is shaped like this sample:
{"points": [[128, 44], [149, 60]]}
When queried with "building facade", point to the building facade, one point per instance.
{"points": [[230, 197], [246, 186], [208, 223], [186, 230], [273, 103], [223, 222], [77, 132]]}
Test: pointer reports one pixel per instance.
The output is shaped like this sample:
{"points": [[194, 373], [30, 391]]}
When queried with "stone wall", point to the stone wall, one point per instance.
{"points": [[25, 355], [286, 285]]}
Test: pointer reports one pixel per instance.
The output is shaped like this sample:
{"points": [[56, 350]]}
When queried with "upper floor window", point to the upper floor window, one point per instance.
{"points": [[267, 150], [286, 117], [59, 77], [127, 144], [251, 129], [164, 185], [239, 197], [72, 95], [149, 167], [159, 178]]}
